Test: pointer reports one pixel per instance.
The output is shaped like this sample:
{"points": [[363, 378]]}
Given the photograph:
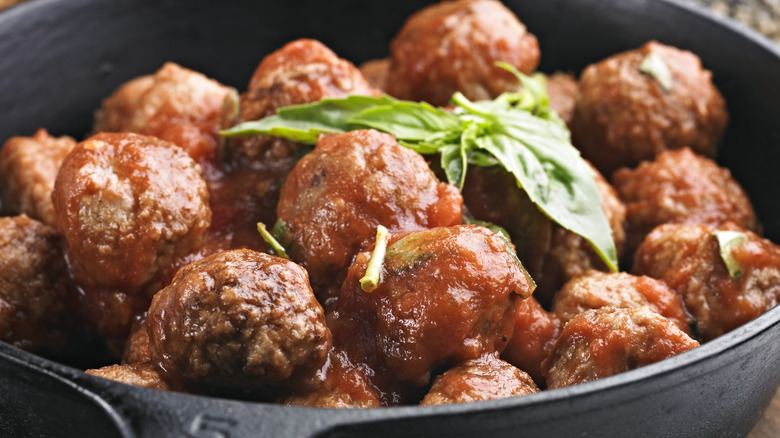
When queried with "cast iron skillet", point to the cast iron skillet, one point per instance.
{"points": [[59, 58]]}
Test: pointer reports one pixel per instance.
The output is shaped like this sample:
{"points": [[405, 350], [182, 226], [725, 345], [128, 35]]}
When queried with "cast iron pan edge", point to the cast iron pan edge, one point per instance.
{"points": [[716, 390]]}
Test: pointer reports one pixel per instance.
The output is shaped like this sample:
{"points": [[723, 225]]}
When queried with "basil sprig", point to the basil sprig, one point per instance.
{"points": [[517, 131]]}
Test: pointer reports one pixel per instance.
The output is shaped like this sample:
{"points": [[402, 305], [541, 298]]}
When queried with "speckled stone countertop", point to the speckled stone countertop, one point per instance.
{"points": [[762, 15]]}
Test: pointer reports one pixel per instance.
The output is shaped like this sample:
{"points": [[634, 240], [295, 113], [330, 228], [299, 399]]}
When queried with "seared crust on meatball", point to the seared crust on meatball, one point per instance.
{"points": [[607, 341], [595, 290], [128, 204], [445, 295], [562, 89], [146, 375], [238, 319], [150, 104], [34, 286], [681, 187], [533, 336], [337, 195], [28, 167], [687, 258], [486, 378], [137, 344], [302, 71], [624, 116], [453, 46]]}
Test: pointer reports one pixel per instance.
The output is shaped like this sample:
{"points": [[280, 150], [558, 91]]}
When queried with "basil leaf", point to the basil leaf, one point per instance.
{"points": [[454, 162], [654, 66], [728, 241], [408, 121], [304, 123]]}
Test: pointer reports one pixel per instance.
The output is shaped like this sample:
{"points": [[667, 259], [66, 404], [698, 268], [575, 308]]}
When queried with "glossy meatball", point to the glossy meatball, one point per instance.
{"points": [[238, 319], [28, 167], [302, 71], [453, 46], [681, 187], [562, 89], [336, 196], [688, 259], [145, 375], [534, 335], [340, 384], [445, 295], [624, 116], [128, 204], [486, 378], [375, 72], [608, 341], [571, 255], [34, 287], [172, 95], [595, 290]]}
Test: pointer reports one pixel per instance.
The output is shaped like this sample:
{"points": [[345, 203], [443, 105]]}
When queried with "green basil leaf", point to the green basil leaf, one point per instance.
{"points": [[454, 161], [408, 121], [728, 241], [304, 123]]}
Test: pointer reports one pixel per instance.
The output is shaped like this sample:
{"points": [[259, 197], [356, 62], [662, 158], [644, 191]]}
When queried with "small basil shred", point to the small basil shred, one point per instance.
{"points": [[516, 130], [276, 247], [728, 241], [654, 66], [370, 281]]}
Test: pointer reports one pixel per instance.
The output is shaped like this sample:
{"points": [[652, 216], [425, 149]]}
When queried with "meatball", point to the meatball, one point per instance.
{"points": [[375, 72], [571, 255], [688, 258], [446, 295], [34, 286], [681, 187], [28, 167], [534, 334], [128, 204], [137, 345], [175, 103], [562, 90], [551, 253], [623, 116], [337, 195], [145, 375], [608, 341], [302, 71], [340, 384], [486, 378], [238, 320], [595, 290], [453, 46]]}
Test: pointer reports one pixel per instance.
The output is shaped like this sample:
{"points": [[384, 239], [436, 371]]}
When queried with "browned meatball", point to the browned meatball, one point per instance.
{"points": [[375, 72], [146, 375], [595, 290], [34, 286], [336, 196], [551, 253], [687, 258], [172, 95], [570, 255], [562, 89], [302, 71], [608, 341], [128, 204], [453, 46], [445, 295], [624, 116], [28, 167], [533, 336], [238, 319], [137, 345], [341, 384], [681, 187], [486, 378]]}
